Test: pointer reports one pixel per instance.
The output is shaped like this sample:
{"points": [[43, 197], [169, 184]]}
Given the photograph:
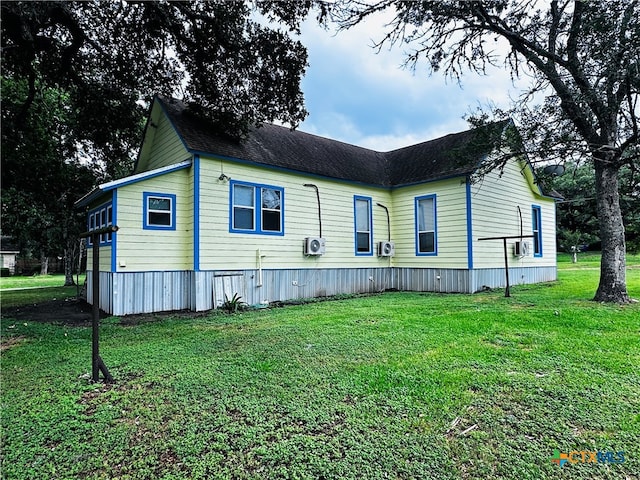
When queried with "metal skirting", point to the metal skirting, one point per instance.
{"points": [[142, 292], [126, 293], [495, 277], [443, 280], [212, 287]]}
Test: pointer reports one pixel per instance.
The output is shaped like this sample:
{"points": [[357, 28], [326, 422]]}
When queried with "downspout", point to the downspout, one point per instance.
{"points": [[259, 258]]}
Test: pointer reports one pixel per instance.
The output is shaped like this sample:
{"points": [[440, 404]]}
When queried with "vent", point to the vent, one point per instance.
{"points": [[314, 246], [386, 249], [522, 249]]}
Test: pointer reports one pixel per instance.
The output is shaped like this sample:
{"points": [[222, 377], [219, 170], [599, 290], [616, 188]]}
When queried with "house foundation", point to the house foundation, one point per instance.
{"points": [[126, 293]]}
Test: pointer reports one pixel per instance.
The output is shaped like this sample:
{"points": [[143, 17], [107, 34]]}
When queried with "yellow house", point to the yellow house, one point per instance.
{"points": [[284, 214]]}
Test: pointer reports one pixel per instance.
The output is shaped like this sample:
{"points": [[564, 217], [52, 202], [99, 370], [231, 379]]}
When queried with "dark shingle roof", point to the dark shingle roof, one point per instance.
{"points": [[452, 155]]}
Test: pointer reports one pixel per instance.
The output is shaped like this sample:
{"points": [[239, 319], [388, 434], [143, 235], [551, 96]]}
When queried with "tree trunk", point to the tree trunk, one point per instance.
{"points": [[44, 264], [69, 253], [613, 286]]}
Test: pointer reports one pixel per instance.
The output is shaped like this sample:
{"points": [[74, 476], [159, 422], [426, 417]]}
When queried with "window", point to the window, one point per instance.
{"points": [[256, 209], [99, 218], [536, 214], [159, 211], [426, 230], [362, 222]]}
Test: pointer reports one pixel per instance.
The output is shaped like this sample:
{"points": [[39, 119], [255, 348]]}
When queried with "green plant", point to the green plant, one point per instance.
{"points": [[234, 304]]}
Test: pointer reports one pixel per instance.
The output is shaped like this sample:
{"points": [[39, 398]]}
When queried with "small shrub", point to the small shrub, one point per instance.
{"points": [[233, 305], [5, 272]]}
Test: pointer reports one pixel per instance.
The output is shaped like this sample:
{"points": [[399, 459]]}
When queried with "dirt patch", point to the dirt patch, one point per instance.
{"points": [[9, 342], [71, 312]]}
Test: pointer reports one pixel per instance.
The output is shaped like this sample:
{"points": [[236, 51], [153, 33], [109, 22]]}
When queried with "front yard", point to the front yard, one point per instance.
{"points": [[398, 385]]}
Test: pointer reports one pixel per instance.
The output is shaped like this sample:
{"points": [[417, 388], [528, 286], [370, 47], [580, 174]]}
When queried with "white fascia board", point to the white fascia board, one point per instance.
{"points": [[105, 187]]}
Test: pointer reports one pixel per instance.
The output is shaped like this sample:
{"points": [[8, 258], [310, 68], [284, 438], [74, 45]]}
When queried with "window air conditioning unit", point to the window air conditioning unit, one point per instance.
{"points": [[314, 246], [386, 249], [522, 249]]}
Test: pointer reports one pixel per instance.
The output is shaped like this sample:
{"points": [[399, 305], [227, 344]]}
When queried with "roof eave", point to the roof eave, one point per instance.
{"points": [[106, 187]]}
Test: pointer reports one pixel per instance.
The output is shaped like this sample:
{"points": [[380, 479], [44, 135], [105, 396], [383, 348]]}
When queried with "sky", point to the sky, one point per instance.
{"points": [[358, 96]]}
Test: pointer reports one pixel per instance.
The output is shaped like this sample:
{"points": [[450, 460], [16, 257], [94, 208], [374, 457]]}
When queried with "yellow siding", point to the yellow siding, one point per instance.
{"points": [[451, 225], [161, 146], [494, 213], [220, 249], [105, 258], [495, 202], [155, 250]]}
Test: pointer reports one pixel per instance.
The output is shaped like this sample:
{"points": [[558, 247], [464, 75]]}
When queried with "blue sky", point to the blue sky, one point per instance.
{"points": [[358, 96]]}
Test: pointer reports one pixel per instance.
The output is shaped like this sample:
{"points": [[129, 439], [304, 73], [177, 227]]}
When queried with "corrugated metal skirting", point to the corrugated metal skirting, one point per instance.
{"points": [[495, 277], [126, 293], [278, 285]]}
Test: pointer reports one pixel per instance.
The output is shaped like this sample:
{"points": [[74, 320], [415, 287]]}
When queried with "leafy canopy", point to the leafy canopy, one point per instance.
{"points": [[40, 179], [110, 58]]}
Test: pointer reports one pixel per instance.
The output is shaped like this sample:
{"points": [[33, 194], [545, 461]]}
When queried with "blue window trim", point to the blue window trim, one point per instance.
{"points": [[536, 217], [257, 210], [145, 211], [94, 221], [469, 227], [435, 226], [355, 226], [114, 221]]}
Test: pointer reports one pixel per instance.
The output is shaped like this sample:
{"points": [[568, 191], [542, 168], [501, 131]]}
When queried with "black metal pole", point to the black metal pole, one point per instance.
{"points": [[507, 291], [97, 365], [95, 322]]}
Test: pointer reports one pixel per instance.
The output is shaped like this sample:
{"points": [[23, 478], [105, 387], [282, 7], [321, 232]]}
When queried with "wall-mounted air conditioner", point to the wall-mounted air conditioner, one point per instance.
{"points": [[522, 249], [314, 246], [386, 249]]}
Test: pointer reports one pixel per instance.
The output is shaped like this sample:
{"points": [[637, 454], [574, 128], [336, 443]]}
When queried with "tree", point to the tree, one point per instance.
{"points": [[110, 58], [587, 54], [40, 178], [577, 214], [78, 78]]}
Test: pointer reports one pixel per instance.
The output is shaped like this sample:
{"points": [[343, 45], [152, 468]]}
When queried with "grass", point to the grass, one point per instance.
{"points": [[34, 281], [399, 385], [16, 291], [591, 260]]}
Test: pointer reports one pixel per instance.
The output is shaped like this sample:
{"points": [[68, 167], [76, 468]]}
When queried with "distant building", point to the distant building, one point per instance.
{"points": [[9, 251]]}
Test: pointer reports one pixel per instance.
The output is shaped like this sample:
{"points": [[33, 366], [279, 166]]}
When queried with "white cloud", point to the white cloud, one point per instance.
{"points": [[365, 98]]}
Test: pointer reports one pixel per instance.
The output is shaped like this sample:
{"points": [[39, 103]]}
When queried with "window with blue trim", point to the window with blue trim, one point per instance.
{"points": [[256, 209], [159, 211], [362, 225], [426, 225], [99, 218], [536, 214]]}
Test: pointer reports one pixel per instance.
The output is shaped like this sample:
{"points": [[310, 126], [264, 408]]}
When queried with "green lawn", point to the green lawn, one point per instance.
{"points": [[591, 260], [16, 291], [399, 385]]}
